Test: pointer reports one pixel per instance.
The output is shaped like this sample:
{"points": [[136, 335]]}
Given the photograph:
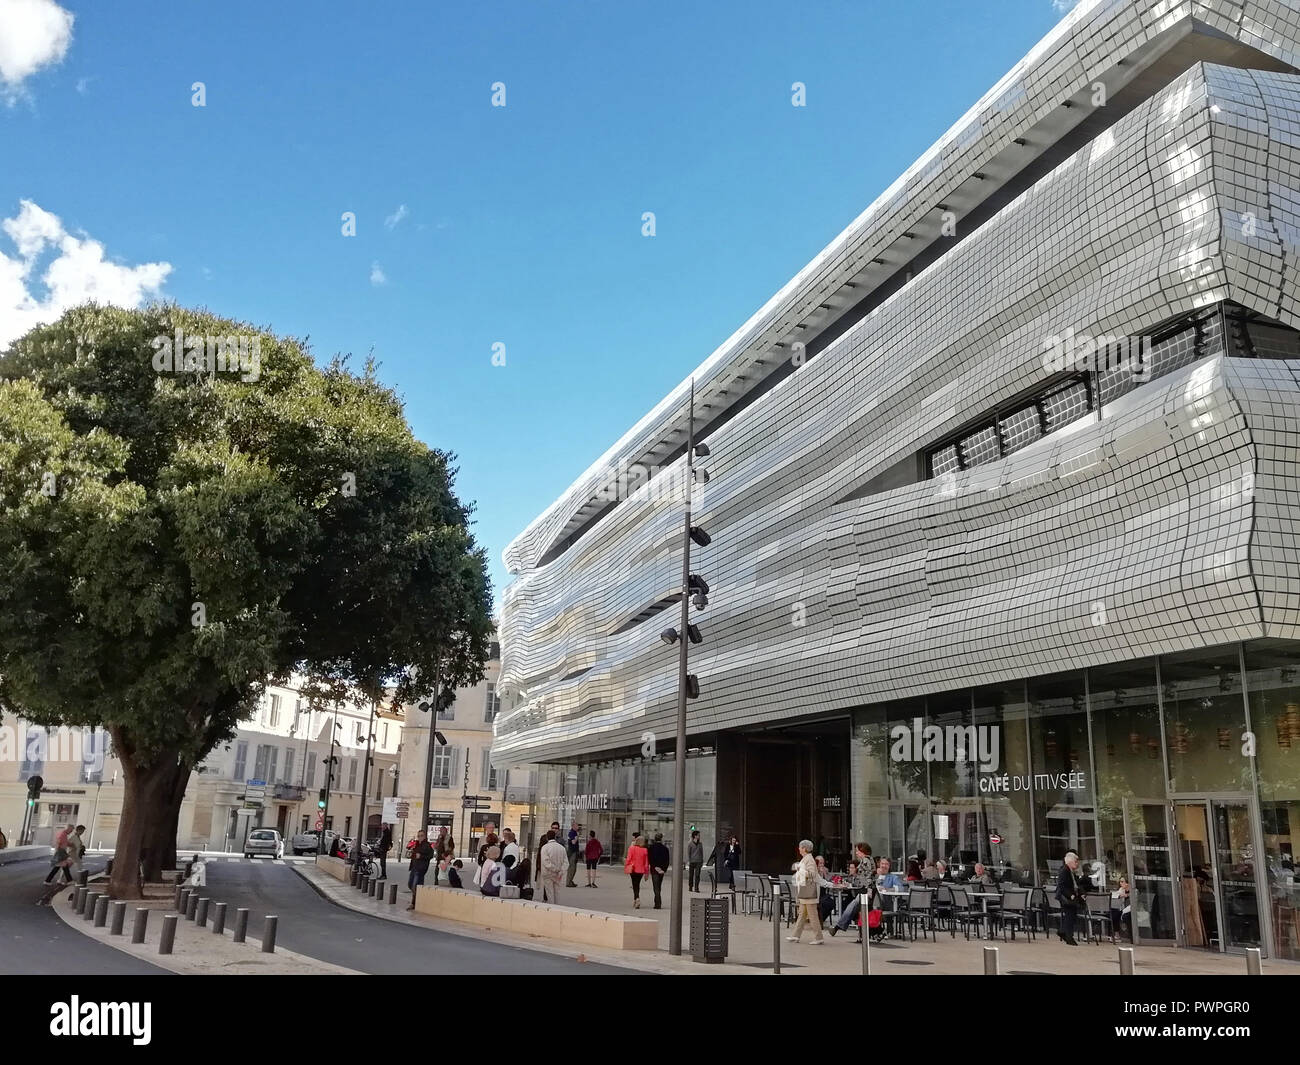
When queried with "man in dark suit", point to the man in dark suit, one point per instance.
{"points": [[1070, 895]]}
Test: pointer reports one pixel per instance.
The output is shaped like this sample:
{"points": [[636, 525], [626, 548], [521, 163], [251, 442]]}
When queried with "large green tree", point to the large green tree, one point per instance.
{"points": [[175, 535]]}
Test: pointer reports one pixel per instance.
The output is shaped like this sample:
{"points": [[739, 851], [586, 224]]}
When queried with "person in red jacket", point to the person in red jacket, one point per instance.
{"points": [[637, 865], [593, 851]]}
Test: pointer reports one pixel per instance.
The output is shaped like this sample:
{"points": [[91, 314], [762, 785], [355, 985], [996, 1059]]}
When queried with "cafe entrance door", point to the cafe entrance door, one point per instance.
{"points": [[1153, 912], [1219, 876]]}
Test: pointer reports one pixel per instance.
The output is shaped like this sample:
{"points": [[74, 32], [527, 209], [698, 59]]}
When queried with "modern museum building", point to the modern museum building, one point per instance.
{"points": [[1001, 494]]}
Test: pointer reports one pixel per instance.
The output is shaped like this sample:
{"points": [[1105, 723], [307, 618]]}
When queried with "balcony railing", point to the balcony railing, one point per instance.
{"points": [[290, 792]]}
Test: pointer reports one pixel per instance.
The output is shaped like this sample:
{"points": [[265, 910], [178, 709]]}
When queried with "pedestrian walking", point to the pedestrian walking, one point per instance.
{"points": [[636, 865], [726, 856], [1070, 896], [421, 856], [553, 862], [593, 852], [660, 859], [382, 848], [61, 860], [806, 894], [572, 849], [694, 861]]}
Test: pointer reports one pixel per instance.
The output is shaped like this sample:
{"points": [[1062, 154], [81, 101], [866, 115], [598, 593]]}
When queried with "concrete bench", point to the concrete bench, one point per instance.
{"points": [[336, 867], [589, 927]]}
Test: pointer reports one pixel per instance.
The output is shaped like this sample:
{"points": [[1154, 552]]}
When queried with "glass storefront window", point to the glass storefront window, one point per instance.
{"points": [[1006, 842], [1064, 814], [1205, 717], [1273, 683], [1126, 743]]}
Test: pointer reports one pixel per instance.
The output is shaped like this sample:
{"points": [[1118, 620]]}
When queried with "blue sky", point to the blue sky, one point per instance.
{"points": [[522, 224]]}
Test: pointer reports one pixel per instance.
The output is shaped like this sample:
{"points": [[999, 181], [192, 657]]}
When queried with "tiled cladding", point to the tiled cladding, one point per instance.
{"points": [[1092, 41], [1101, 542]]}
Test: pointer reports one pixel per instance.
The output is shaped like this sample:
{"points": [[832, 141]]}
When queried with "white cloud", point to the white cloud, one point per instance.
{"points": [[377, 276], [391, 221], [76, 272], [83, 84], [1064, 7], [33, 34]]}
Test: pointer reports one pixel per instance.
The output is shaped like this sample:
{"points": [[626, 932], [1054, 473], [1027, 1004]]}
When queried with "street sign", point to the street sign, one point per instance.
{"points": [[403, 809], [470, 802], [255, 783], [320, 823]]}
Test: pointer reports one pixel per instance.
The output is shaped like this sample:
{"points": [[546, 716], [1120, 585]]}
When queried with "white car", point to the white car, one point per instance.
{"points": [[265, 841]]}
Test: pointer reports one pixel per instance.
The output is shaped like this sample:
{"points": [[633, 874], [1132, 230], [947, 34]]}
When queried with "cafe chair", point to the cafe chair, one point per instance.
{"points": [[1015, 913], [717, 890], [745, 887], [1052, 912], [920, 912], [943, 905], [1097, 915], [965, 912]]}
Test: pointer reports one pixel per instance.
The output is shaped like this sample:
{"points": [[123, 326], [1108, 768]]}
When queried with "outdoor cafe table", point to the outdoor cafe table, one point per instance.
{"points": [[842, 893], [984, 897]]}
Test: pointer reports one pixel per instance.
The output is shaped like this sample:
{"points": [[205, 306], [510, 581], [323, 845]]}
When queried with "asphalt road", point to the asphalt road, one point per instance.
{"points": [[310, 925], [34, 942]]}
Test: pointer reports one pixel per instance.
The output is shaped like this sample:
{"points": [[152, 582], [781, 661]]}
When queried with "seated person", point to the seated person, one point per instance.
{"points": [[982, 880], [1121, 912], [825, 897], [489, 878], [942, 875], [453, 873], [930, 872], [885, 880]]}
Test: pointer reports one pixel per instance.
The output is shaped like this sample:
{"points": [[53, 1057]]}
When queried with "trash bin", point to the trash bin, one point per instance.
{"points": [[709, 929]]}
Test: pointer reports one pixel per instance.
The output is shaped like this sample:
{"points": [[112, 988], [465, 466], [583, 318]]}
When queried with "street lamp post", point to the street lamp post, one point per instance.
{"points": [[435, 737], [362, 822], [329, 784], [687, 684]]}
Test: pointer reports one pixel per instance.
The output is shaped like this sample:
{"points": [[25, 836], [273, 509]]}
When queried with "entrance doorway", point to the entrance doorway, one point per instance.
{"points": [[1219, 876], [1150, 870]]}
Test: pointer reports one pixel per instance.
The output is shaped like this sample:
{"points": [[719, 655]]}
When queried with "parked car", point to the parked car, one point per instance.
{"points": [[305, 842], [264, 841]]}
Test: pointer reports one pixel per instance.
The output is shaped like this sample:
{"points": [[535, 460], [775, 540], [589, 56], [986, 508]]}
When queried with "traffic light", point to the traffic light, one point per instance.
{"points": [[34, 785], [320, 803]]}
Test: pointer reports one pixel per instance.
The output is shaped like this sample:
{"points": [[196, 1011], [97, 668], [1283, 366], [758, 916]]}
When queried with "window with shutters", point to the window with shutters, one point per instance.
{"points": [[442, 767]]}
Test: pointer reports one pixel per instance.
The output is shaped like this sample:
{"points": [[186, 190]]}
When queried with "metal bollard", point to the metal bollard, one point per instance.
{"points": [[192, 906], [990, 961], [376, 889], [118, 919], [201, 916], [101, 910], [168, 936], [180, 879], [183, 900], [219, 918], [352, 876], [176, 896], [88, 908], [1126, 961], [241, 925], [79, 903], [392, 894], [268, 934], [141, 923], [776, 926], [83, 876], [1254, 962], [864, 913]]}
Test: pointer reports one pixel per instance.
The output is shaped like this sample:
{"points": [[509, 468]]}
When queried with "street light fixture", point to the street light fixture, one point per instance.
{"points": [[695, 591]]}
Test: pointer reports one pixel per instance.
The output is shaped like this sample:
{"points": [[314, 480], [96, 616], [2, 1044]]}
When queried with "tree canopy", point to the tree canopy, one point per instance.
{"points": [[175, 533]]}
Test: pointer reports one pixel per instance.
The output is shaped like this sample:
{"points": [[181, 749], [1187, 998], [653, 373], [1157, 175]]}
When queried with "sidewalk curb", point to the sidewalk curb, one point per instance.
{"points": [[656, 965]]}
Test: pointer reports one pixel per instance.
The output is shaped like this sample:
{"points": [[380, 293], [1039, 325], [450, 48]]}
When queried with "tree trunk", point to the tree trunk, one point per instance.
{"points": [[145, 793], [163, 824]]}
